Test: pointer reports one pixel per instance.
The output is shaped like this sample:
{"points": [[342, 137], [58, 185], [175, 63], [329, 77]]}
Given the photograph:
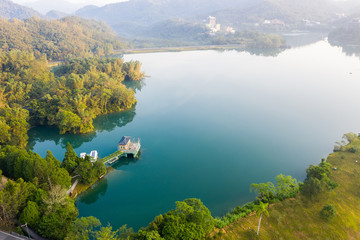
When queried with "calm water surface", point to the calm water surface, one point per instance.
{"points": [[212, 123]]}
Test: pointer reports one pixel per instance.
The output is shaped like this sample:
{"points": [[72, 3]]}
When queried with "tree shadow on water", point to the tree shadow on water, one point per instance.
{"points": [[93, 193]]}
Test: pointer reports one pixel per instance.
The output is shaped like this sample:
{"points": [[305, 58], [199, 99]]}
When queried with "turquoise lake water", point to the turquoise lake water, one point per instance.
{"points": [[211, 123]]}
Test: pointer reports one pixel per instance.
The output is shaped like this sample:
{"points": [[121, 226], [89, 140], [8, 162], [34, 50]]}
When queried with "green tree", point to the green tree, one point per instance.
{"points": [[82, 228], [350, 137], [286, 186], [106, 233], [30, 214], [70, 159], [189, 220], [265, 191], [260, 210]]}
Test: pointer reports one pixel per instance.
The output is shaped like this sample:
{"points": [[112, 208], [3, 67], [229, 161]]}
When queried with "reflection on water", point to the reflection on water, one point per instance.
{"points": [[46, 133], [93, 194], [137, 86], [126, 161], [213, 122], [351, 50], [99, 189], [109, 122], [301, 39], [102, 123]]}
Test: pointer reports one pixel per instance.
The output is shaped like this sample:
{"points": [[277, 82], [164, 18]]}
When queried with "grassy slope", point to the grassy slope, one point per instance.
{"points": [[299, 219]]}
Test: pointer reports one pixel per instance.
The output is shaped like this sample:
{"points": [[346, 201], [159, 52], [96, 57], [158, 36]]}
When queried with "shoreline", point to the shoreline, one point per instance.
{"points": [[178, 49]]}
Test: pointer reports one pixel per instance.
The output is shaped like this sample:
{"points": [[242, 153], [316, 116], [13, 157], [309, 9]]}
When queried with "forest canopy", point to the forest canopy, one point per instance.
{"points": [[58, 39], [70, 97]]}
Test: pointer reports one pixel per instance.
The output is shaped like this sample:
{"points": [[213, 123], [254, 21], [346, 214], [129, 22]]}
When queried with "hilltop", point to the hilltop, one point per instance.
{"points": [[10, 10], [58, 39]]}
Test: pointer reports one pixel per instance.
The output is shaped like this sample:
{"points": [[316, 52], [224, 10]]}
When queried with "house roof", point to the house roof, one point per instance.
{"points": [[124, 140]]}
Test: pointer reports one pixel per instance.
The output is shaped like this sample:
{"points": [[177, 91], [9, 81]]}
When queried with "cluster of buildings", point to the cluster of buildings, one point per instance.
{"points": [[216, 27]]}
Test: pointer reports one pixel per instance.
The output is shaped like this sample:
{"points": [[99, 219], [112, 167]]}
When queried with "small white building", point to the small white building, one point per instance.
{"points": [[93, 155]]}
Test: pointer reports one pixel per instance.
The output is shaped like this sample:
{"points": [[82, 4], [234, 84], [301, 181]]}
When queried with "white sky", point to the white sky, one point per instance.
{"points": [[95, 2]]}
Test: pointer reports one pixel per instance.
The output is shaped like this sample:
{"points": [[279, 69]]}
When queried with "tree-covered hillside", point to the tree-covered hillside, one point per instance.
{"points": [[80, 90], [10, 10], [58, 39]]}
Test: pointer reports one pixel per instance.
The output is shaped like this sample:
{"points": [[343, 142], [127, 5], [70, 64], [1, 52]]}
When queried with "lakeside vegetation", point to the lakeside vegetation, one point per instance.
{"points": [[314, 208], [328, 211], [70, 97]]}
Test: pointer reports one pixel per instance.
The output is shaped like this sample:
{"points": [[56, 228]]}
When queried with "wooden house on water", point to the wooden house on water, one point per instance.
{"points": [[129, 147]]}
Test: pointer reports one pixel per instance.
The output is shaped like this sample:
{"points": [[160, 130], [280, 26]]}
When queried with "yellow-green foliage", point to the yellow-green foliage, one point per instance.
{"points": [[299, 218], [79, 91], [58, 39]]}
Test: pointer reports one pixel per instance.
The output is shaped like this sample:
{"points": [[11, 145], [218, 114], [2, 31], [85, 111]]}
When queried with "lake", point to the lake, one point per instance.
{"points": [[211, 123]]}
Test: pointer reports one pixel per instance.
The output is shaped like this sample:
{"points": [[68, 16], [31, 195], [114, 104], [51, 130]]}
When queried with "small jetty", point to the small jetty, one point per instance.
{"points": [[128, 147]]}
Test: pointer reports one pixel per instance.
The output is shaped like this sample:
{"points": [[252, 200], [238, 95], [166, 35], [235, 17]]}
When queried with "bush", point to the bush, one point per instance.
{"points": [[328, 212]]}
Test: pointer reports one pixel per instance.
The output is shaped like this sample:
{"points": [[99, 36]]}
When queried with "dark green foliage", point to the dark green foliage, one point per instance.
{"points": [[14, 125], [58, 39], [317, 180], [30, 214], [328, 212], [58, 211], [266, 191], [190, 220], [13, 199], [71, 159], [45, 172], [286, 187], [88, 171], [82, 228]]}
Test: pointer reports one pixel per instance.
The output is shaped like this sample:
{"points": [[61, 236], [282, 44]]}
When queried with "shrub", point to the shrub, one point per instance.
{"points": [[328, 212]]}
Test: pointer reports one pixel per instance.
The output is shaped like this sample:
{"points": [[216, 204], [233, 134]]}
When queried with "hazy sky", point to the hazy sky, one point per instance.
{"points": [[96, 2]]}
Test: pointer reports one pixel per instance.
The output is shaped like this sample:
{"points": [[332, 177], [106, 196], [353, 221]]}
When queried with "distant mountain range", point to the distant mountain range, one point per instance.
{"points": [[186, 19], [10, 10], [290, 12], [136, 16], [133, 16]]}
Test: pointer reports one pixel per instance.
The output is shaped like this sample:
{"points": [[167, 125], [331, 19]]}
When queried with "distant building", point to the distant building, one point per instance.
{"points": [[230, 30], [310, 23], [274, 22], [212, 22], [218, 27]]}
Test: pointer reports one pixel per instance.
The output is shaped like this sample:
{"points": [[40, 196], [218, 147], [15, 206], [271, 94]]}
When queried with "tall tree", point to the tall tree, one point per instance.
{"points": [[70, 159], [260, 210]]}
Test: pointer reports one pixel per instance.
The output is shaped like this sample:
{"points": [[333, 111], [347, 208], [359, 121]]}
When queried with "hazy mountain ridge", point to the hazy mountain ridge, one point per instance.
{"points": [[139, 16], [288, 11], [10, 10], [53, 14], [45, 6]]}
